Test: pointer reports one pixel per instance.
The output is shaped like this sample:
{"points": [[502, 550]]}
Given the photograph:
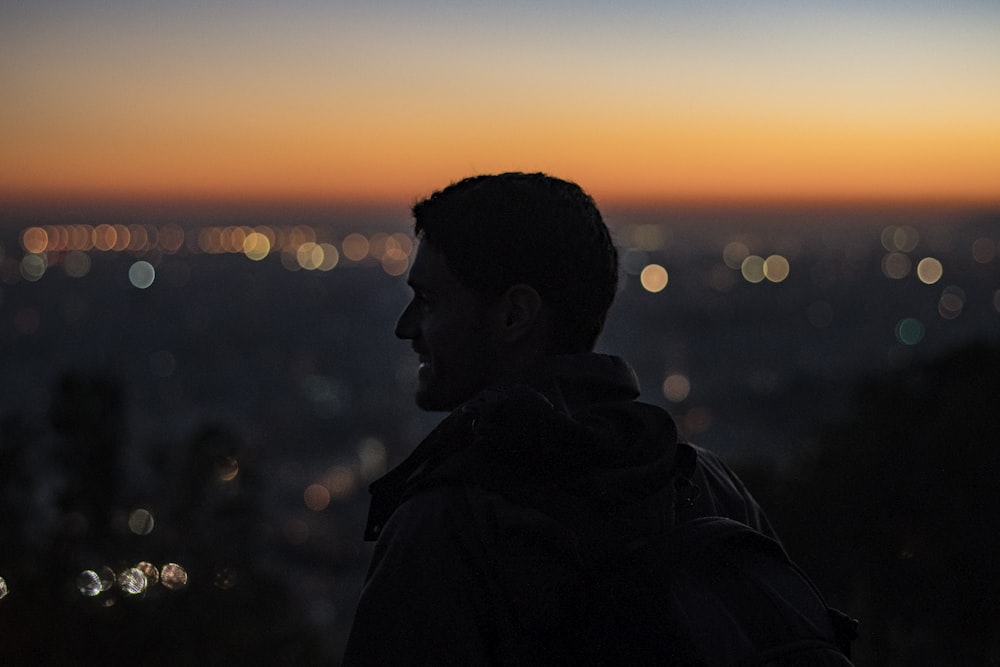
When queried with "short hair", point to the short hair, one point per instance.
{"points": [[496, 231]]}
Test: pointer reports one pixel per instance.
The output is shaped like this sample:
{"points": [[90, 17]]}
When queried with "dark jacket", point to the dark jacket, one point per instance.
{"points": [[487, 532]]}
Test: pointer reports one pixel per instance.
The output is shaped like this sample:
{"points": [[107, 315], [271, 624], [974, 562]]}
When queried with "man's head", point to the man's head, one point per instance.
{"points": [[510, 268]]}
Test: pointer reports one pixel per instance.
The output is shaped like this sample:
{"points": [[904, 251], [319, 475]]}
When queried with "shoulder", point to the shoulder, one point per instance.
{"points": [[720, 492]]}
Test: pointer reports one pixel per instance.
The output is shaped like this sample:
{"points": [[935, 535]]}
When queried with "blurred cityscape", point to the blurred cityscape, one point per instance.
{"points": [[192, 407]]}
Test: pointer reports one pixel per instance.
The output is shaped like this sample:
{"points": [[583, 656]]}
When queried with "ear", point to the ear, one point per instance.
{"points": [[523, 315]]}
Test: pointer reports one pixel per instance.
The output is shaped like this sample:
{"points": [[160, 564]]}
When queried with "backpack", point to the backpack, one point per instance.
{"points": [[713, 592]]}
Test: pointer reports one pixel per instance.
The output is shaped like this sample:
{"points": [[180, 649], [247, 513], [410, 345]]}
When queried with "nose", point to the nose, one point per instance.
{"points": [[408, 324]]}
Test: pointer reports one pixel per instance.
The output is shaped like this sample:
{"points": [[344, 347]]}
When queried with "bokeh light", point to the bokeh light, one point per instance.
{"points": [[909, 331], [984, 250], [132, 581], [227, 469], [34, 240], [734, 253], [952, 302], [929, 270], [173, 576], [316, 497], [900, 238], [141, 274], [676, 387], [341, 481], [395, 262], [3, 588], [373, 458], [256, 246], [89, 583], [752, 269], [355, 247], [141, 522], [309, 255], [776, 268], [76, 264], [896, 265], [654, 278], [330, 257], [33, 267], [150, 571]]}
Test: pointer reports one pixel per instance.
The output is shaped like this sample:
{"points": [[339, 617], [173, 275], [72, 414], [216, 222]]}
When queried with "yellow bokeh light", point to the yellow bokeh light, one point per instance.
{"points": [[676, 387], [330, 257], [654, 278], [776, 268], [929, 270], [752, 269], [256, 246], [309, 255]]}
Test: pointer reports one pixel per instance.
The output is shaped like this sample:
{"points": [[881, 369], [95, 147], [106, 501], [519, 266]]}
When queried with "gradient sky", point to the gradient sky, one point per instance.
{"points": [[634, 99]]}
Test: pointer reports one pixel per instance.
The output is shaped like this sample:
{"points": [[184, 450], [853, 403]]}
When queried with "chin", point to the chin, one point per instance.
{"points": [[434, 398]]}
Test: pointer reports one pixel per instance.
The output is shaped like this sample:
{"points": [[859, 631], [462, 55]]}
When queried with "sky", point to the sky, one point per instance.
{"points": [[639, 101]]}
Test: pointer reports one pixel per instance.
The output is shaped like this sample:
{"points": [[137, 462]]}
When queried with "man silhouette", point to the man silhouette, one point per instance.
{"points": [[546, 457]]}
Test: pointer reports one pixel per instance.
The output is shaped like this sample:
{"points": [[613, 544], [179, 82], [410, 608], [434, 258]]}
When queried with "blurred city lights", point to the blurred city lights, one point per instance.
{"points": [[929, 270], [734, 253], [355, 247], [676, 387], [896, 265], [752, 269], [256, 246], [900, 238], [89, 583], [776, 268], [34, 240], [76, 264], [654, 278], [173, 576], [316, 497], [373, 458], [227, 469], [141, 274], [132, 581], [141, 522], [33, 267], [984, 250], [909, 331], [341, 482], [151, 573], [952, 302]]}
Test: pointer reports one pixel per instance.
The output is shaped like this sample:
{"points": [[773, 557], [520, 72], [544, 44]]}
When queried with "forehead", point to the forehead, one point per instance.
{"points": [[430, 270]]}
